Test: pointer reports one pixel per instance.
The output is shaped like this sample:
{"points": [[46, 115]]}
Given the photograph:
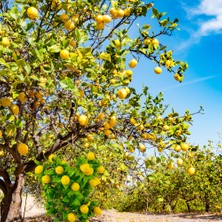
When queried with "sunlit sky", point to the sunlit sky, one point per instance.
{"points": [[199, 42]]}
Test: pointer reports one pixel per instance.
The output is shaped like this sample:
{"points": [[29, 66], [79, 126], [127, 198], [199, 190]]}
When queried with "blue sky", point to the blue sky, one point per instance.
{"points": [[199, 42]]}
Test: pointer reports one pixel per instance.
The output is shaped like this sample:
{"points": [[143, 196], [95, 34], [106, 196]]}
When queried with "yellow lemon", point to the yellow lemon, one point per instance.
{"points": [[90, 156], [184, 146], [155, 42], [75, 187], [5, 102], [64, 17], [6, 41], [22, 149], [59, 170], [83, 120], [100, 116], [84, 209], [97, 211], [100, 26], [112, 121], [32, 13], [122, 93], [90, 137], [15, 109], [191, 170], [157, 70], [39, 169], [107, 18], [71, 217], [51, 157], [69, 26], [22, 97], [99, 18], [64, 54], [100, 169], [86, 169], [133, 63], [65, 180], [46, 179]]}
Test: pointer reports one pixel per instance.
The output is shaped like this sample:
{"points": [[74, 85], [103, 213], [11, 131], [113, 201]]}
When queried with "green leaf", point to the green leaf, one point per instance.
{"points": [[54, 48], [67, 84]]}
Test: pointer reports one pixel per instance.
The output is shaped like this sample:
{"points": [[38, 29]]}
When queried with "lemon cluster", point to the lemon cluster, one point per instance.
{"points": [[70, 186]]}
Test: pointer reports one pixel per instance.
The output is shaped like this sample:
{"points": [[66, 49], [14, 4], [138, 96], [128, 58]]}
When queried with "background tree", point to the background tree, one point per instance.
{"points": [[64, 80], [171, 185]]}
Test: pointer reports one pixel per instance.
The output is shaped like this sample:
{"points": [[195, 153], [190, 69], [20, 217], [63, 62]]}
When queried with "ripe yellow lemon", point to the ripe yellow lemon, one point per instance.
{"points": [[22, 149], [184, 146], [179, 162], [94, 182], [39, 169], [46, 179], [59, 170], [72, 42], [71, 217], [75, 187], [84, 209], [133, 63], [107, 132], [127, 12], [15, 109], [112, 121], [83, 120], [69, 26], [100, 26], [99, 18], [176, 147], [22, 97], [158, 70], [65, 180], [120, 13], [0, 134], [51, 157], [6, 41], [32, 13], [90, 156], [86, 169], [122, 93], [64, 17], [97, 211], [155, 42], [100, 116], [100, 169], [5, 102], [64, 54], [90, 137], [142, 147], [191, 170], [107, 18]]}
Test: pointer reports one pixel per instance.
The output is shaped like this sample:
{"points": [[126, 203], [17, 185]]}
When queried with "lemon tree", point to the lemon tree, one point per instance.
{"points": [[64, 76], [179, 183]]}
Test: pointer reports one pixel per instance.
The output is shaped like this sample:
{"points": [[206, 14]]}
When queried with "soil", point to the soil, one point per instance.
{"points": [[36, 213], [114, 216]]}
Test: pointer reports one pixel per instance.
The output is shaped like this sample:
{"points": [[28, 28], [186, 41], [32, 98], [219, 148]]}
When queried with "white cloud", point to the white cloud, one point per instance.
{"points": [[213, 24]]}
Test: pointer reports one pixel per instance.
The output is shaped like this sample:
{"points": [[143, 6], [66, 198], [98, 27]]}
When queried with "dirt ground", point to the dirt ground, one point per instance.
{"points": [[35, 213], [114, 216]]}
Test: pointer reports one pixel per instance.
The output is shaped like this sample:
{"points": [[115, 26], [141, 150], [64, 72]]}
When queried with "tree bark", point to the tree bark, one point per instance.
{"points": [[11, 204]]}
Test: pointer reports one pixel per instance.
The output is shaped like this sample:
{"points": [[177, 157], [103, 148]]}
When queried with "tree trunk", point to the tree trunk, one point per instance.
{"points": [[207, 204], [11, 204], [188, 207]]}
